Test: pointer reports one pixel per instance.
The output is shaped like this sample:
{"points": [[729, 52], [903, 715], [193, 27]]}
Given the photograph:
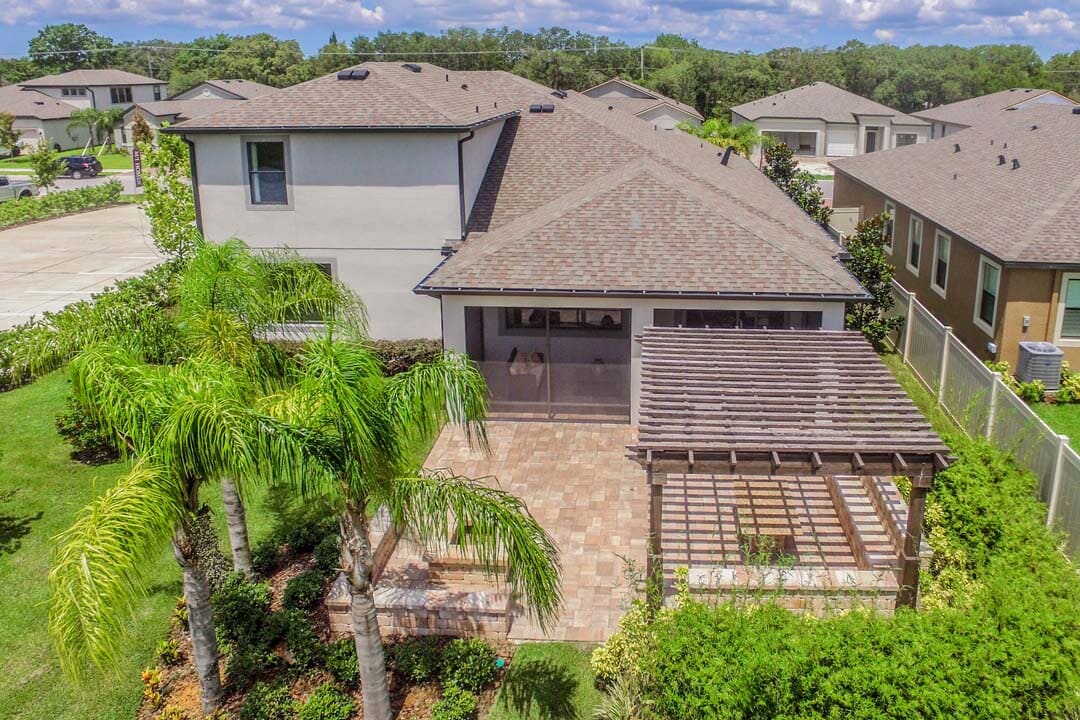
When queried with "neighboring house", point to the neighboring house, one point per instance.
{"points": [[235, 89], [820, 119], [205, 98], [644, 103], [100, 89], [38, 116], [550, 230], [947, 119], [985, 227]]}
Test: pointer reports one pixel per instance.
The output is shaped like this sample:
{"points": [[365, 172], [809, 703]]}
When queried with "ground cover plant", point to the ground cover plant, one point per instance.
{"points": [[55, 204]]}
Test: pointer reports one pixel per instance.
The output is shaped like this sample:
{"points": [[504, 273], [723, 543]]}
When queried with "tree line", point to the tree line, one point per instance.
{"points": [[713, 81]]}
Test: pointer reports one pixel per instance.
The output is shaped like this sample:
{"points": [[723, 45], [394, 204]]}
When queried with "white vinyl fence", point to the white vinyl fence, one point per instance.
{"points": [[981, 404]]}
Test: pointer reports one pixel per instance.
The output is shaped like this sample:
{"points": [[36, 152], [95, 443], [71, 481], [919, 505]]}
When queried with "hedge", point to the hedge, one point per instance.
{"points": [[397, 356], [16, 212]]}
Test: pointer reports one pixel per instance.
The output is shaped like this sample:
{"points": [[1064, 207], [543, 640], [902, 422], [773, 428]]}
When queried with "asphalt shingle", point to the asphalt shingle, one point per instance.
{"points": [[820, 101]]}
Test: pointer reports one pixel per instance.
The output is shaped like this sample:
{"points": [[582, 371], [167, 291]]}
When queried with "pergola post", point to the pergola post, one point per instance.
{"points": [[909, 558], [654, 555]]}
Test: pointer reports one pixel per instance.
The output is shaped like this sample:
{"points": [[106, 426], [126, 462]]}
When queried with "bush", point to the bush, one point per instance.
{"points": [[341, 661], [1032, 392], [172, 712], [303, 643], [168, 652], [266, 555], [417, 660], [15, 212], [304, 590], [328, 555], [456, 704], [397, 356], [327, 702], [267, 702], [468, 664], [1069, 390], [91, 443], [618, 657], [242, 612]]}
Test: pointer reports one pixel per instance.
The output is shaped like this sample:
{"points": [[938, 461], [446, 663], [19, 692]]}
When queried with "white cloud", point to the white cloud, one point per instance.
{"points": [[884, 35]]}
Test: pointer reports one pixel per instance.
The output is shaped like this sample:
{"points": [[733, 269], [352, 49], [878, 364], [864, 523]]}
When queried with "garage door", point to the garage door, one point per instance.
{"points": [[841, 140]]}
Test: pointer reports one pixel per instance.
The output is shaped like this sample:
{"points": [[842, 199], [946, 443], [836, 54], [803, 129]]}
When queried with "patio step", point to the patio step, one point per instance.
{"points": [[873, 545]]}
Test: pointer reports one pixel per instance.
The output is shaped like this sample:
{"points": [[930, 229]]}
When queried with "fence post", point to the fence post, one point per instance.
{"points": [[907, 324], [944, 367], [1055, 489], [994, 385]]}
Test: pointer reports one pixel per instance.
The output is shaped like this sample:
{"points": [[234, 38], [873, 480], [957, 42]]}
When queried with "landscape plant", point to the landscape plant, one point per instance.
{"points": [[45, 165], [326, 702], [167, 196], [456, 703], [743, 138], [800, 185], [468, 663], [868, 263], [24, 210], [9, 136]]}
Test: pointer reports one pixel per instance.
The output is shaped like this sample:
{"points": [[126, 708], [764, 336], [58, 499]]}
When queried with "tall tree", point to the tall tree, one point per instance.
{"points": [[70, 46], [45, 165], [869, 265], [744, 138], [9, 136], [800, 185], [364, 430]]}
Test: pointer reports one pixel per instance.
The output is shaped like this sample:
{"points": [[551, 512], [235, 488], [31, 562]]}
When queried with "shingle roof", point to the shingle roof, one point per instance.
{"points": [[182, 109], [820, 101], [31, 103], [75, 78], [1024, 215], [637, 106], [976, 110], [391, 97], [244, 89], [585, 199]]}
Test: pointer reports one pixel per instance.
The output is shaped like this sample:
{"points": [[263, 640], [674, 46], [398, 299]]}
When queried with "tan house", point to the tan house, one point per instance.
{"points": [[985, 227], [641, 102], [947, 119], [822, 120], [39, 116]]}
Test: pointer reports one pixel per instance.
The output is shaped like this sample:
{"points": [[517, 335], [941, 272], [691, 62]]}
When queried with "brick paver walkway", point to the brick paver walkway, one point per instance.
{"points": [[579, 484]]}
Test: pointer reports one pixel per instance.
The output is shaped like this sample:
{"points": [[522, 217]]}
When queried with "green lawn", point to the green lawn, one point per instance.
{"points": [[41, 489], [547, 681], [109, 160], [1064, 419]]}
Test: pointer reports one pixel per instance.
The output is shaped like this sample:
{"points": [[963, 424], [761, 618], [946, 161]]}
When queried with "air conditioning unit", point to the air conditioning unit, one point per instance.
{"points": [[1040, 361]]}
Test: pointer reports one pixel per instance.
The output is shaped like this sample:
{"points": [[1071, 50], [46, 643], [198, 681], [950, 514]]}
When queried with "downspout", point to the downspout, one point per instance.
{"points": [[194, 183], [461, 178], [93, 97]]}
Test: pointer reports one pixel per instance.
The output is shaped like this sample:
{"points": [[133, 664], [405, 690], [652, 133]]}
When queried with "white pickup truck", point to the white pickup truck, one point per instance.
{"points": [[16, 188]]}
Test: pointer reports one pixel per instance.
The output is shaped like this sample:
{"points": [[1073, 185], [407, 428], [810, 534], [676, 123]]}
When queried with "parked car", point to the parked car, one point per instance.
{"points": [[80, 166], [12, 188]]}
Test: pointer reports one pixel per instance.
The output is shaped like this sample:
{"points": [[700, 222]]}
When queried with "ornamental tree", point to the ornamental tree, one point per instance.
{"points": [[870, 267]]}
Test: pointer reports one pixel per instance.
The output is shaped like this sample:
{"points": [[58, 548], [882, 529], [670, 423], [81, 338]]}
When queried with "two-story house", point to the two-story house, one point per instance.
{"points": [[539, 231], [100, 89]]}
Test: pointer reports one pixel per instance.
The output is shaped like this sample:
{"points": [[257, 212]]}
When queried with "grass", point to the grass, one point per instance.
{"points": [[923, 398], [41, 490], [109, 160], [1064, 419], [547, 680]]}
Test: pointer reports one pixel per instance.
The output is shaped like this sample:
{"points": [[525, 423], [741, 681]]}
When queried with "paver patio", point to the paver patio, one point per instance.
{"points": [[579, 484]]}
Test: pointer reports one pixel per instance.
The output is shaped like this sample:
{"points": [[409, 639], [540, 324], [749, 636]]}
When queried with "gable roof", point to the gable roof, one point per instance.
{"points": [[392, 97], [1025, 215], [76, 78], [180, 110], [243, 89], [591, 200], [639, 105], [978, 109], [33, 104], [820, 101]]}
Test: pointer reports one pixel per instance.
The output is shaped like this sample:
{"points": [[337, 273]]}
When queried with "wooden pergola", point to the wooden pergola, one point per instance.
{"points": [[765, 402]]}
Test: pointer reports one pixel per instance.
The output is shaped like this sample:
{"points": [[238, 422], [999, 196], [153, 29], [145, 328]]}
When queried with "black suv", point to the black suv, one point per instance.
{"points": [[80, 166]]}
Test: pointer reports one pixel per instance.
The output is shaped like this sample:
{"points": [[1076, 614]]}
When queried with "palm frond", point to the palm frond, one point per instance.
{"points": [[492, 526], [102, 563]]}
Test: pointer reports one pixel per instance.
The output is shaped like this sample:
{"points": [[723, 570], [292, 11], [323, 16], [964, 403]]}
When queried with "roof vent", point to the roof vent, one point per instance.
{"points": [[1034, 127], [360, 74], [610, 107], [1016, 164], [1001, 159], [1076, 111], [559, 93], [464, 86], [726, 155], [536, 107], [547, 107], [412, 67], [956, 148]]}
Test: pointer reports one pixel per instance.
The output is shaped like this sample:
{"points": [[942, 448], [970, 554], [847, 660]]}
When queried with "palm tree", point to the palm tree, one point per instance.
{"points": [[98, 123], [182, 426], [743, 138], [363, 430]]}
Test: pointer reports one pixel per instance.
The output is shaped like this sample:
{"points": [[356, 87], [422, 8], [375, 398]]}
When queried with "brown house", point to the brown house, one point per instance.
{"points": [[986, 227]]}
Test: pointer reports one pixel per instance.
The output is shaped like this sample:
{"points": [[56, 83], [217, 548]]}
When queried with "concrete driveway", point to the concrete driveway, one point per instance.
{"points": [[50, 264]]}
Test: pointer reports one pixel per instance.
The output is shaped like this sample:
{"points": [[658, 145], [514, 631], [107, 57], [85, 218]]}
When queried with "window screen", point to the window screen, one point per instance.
{"points": [[266, 173], [1070, 322]]}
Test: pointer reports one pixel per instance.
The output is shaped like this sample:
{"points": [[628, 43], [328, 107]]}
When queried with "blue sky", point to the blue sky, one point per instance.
{"points": [[724, 24]]}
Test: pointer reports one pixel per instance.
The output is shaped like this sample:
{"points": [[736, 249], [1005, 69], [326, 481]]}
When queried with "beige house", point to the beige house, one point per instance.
{"points": [[100, 89], [986, 227], [39, 116], [205, 98], [821, 120], [641, 102], [947, 119]]}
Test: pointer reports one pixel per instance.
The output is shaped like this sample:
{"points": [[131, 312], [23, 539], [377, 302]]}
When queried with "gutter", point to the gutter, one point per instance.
{"points": [[181, 129], [436, 291], [194, 183], [461, 178]]}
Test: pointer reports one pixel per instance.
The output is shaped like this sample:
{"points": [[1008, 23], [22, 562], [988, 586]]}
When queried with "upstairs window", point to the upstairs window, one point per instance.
{"points": [[1070, 314], [120, 95], [73, 92], [986, 301], [942, 249], [903, 139], [915, 233], [157, 92], [266, 172], [889, 227]]}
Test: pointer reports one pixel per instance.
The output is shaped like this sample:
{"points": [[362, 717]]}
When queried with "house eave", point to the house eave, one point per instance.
{"points": [[436, 291], [182, 130]]}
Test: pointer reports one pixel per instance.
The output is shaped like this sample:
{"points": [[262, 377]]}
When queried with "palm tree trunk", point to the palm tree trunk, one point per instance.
{"points": [[201, 626], [236, 519], [357, 560]]}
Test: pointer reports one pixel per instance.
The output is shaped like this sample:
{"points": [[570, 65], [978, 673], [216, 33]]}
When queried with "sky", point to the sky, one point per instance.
{"points": [[755, 25]]}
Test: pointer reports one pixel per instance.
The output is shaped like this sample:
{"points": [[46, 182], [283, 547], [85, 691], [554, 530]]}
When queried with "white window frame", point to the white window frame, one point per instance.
{"points": [[890, 210], [912, 219], [1058, 340], [942, 290], [988, 329]]}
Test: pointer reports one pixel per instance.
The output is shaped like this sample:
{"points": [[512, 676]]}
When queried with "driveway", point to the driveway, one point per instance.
{"points": [[50, 264]]}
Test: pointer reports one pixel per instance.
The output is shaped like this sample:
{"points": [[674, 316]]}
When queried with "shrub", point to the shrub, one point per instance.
{"points": [[91, 443], [151, 678], [455, 704], [15, 212], [303, 643], [468, 664], [306, 529], [417, 660], [266, 555], [1001, 367], [168, 652], [242, 612], [341, 661], [247, 664], [172, 712], [328, 555], [1069, 390], [304, 590], [397, 356], [1032, 392], [267, 702], [327, 702], [619, 655]]}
